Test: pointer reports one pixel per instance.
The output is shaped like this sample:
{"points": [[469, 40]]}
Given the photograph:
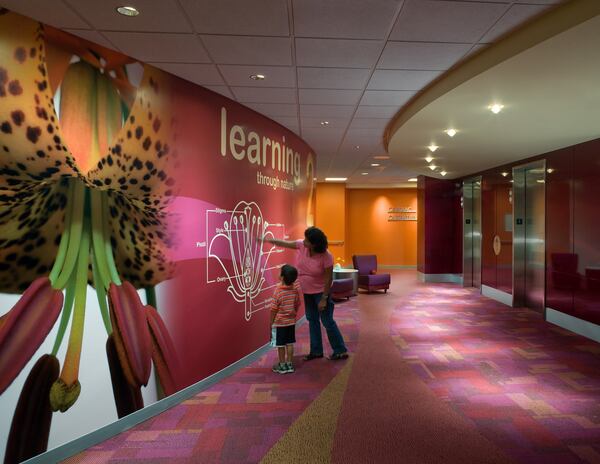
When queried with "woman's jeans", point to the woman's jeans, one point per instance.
{"points": [[311, 304]]}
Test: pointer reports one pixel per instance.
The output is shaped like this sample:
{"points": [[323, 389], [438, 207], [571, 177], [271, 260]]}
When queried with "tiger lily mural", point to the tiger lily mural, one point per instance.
{"points": [[87, 168]]}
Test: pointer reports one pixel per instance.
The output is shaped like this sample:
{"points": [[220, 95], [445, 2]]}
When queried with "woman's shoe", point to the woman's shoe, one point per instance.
{"points": [[311, 356], [338, 356]]}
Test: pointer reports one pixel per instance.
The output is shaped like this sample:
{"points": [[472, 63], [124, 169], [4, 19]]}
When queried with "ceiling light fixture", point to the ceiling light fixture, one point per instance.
{"points": [[257, 77], [382, 157], [549, 170], [364, 173], [412, 179], [324, 123], [429, 159], [375, 165], [443, 173], [504, 174], [357, 146], [128, 10], [336, 179], [432, 167], [433, 147], [450, 132], [495, 108]]}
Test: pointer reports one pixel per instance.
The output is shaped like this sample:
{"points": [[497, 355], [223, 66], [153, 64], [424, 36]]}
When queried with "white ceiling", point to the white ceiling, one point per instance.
{"points": [[551, 104], [354, 63]]}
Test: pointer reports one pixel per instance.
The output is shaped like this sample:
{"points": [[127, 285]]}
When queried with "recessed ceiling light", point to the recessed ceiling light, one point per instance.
{"points": [[324, 123], [450, 132], [412, 179], [335, 179], [357, 146], [432, 167], [364, 173], [549, 170], [495, 108], [257, 77], [541, 181], [429, 159], [128, 10], [504, 174], [382, 157], [433, 147], [375, 165], [443, 173]]}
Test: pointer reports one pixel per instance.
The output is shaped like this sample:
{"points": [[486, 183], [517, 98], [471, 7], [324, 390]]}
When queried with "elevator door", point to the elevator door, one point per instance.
{"points": [[472, 232], [530, 246]]}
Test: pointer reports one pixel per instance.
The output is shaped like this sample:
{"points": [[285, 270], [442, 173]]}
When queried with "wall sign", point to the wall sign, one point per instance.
{"points": [[401, 214]]}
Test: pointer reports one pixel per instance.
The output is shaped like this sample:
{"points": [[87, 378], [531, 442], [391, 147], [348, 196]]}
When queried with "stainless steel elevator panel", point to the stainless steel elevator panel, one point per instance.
{"points": [[472, 232], [529, 252]]}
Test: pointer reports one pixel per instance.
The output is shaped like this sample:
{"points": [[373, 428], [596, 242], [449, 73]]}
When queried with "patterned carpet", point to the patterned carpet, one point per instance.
{"points": [[529, 387], [494, 380]]}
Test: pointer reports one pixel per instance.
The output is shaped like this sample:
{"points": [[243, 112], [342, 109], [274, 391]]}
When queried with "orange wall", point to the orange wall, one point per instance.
{"points": [[330, 216], [370, 232]]}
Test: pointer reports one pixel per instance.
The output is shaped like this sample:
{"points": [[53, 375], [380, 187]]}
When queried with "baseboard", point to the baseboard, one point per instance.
{"points": [[396, 266], [440, 278], [114, 428], [498, 295], [574, 324]]}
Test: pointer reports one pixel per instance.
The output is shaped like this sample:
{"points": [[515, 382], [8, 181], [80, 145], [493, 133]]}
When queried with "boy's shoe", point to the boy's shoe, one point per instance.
{"points": [[280, 368], [289, 368]]}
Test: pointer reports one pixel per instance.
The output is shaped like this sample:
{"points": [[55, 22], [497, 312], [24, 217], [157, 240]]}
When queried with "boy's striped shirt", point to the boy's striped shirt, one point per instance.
{"points": [[285, 304]]}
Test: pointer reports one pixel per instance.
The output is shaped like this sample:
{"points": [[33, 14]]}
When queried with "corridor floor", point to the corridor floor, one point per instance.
{"points": [[437, 374]]}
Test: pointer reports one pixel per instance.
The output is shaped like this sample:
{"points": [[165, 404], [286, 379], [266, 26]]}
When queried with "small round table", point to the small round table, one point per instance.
{"points": [[344, 273]]}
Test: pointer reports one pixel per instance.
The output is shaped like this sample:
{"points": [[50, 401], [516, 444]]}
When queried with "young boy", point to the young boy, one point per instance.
{"points": [[286, 301]]}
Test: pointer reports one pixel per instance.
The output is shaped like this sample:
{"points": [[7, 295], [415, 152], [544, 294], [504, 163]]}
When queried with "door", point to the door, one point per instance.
{"points": [[472, 232], [530, 231]]}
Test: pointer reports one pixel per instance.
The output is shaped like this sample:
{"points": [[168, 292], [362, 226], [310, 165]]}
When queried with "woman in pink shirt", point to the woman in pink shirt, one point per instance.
{"points": [[315, 273]]}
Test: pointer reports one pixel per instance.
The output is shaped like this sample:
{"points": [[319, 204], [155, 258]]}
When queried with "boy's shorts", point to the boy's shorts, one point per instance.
{"points": [[285, 335]]}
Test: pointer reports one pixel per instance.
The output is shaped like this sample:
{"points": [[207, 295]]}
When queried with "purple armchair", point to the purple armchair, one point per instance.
{"points": [[368, 279]]}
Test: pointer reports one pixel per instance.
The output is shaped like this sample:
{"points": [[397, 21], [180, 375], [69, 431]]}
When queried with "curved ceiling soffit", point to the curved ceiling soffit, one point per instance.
{"points": [[541, 28]]}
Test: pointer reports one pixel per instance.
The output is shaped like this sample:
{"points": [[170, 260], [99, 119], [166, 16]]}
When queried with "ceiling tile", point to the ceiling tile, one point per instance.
{"points": [[222, 90], [249, 50], [276, 76], [201, 74], [166, 48], [327, 111], [274, 109], [288, 122], [329, 97], [358, 19], [92, 36], [238, 17], [388, 79], [366, 111], [335, 53], [316, 122], [54, 13], [364, 134], [421, 55], [434, 21], [264, 95], [369, 123], [517, 15], [386, 97], [155, 15], [333, 78]]}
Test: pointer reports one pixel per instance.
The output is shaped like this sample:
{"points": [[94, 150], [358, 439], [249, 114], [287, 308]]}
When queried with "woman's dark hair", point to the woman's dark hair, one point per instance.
{"points": [[317, 239], [289, 274]]}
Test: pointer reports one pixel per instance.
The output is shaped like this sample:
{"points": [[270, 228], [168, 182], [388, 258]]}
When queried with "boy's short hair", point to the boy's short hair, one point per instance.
{"points": [[289, 274]]}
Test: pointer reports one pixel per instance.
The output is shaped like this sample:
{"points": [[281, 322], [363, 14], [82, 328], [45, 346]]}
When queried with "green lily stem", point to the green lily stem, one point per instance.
{"points": [[76, 227], [70, 370], [151, 296], [98, 240], [65, 315], [64, 240], [101, 294], [108, 251]]}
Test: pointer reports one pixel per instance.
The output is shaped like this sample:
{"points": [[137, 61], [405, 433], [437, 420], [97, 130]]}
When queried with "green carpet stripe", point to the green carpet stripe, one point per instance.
{"points": [[310, 438]]}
